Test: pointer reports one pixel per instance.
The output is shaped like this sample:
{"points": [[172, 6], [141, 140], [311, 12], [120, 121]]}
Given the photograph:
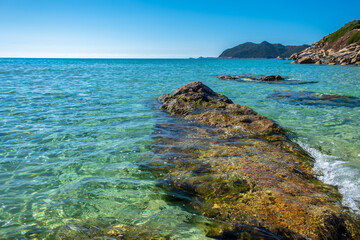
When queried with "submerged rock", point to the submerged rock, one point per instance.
{"points": [[82, 231], [313, 98], [239, 167]]}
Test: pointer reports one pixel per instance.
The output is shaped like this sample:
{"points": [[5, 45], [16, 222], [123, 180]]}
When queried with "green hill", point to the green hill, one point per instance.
{"points": [[340, 47], [262, 50]]}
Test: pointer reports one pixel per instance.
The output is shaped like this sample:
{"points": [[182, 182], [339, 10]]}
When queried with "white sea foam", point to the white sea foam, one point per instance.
{"points": [[247, 79], [334, 172]]}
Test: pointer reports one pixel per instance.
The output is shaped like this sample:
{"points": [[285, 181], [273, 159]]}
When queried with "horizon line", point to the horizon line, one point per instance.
{"points": [[106, 57]]}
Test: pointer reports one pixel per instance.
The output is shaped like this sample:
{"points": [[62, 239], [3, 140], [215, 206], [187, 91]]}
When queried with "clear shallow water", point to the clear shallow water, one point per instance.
{"points": [[73, 134]]}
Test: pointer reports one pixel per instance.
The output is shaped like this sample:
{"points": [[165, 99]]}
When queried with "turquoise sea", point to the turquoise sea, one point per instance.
{"points": [[75, 134]]}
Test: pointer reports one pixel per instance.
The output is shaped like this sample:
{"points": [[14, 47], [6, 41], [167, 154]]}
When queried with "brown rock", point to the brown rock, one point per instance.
{"points": [[318, 62], [305, 60], [271, 78], [241, 168], [228, 77], [266, 78]]}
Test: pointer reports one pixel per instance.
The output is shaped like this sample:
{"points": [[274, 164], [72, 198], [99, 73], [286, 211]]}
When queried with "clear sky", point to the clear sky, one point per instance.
{"points": [[161, 28]]}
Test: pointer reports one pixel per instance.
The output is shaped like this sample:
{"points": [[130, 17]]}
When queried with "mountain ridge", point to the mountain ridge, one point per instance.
{"points": [[261, 50]]}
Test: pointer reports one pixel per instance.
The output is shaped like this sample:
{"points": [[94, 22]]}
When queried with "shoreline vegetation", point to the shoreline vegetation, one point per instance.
{"points": [[240, 167], [338, 48], [341, 47]]}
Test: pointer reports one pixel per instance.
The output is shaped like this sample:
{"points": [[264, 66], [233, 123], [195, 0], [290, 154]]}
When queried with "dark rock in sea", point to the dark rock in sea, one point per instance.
{"points": [[266, 78], [239, 167], [273, 79], [318, 99]]}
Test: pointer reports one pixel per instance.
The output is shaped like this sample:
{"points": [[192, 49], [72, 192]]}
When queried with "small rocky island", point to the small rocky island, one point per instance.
{"points": [[341, 47], [240, 167]]}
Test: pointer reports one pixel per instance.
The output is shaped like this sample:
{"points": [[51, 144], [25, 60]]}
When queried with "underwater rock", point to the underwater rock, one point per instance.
{"points": [[313, 98], [239, 167], [82, 231]]}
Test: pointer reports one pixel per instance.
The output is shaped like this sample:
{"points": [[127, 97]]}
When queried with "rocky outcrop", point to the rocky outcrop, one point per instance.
{"points": [[341, 47], [239, 167], [271, 79], [266, 78]]}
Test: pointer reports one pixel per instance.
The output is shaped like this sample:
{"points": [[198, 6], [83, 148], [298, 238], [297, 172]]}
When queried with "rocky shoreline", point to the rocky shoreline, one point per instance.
{"points": [[349, 55], [239, 167], [341, 47]]}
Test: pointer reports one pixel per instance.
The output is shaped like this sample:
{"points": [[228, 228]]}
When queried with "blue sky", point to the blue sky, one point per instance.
{"points": [[161, 28]]}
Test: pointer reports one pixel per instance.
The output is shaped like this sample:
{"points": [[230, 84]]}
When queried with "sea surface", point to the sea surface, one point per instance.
{"points": [[75, 134]]}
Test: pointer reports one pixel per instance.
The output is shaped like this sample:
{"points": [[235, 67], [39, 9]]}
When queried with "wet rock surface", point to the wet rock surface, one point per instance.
{"points": [[313, 98], [239, 167], [272, 79], [266, 78]]}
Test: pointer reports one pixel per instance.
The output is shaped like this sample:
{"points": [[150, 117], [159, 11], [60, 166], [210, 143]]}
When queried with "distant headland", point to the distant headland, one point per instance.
{"points": [[261, 50]]}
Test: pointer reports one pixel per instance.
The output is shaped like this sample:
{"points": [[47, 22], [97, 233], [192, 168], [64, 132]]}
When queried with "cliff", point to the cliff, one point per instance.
{"points": [[262, 50], [340, 47]]}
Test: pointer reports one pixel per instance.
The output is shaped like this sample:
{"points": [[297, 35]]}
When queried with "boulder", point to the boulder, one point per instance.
{"points": [[239, 167], [305, 60], [271, 78]]}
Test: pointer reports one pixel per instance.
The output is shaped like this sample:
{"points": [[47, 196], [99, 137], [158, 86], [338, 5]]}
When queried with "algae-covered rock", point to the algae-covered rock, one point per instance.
{"points": [[239, 167], [318, 99]]}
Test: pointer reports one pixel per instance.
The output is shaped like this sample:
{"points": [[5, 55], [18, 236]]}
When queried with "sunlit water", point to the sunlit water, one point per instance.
{"points": [[74, 134]]}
